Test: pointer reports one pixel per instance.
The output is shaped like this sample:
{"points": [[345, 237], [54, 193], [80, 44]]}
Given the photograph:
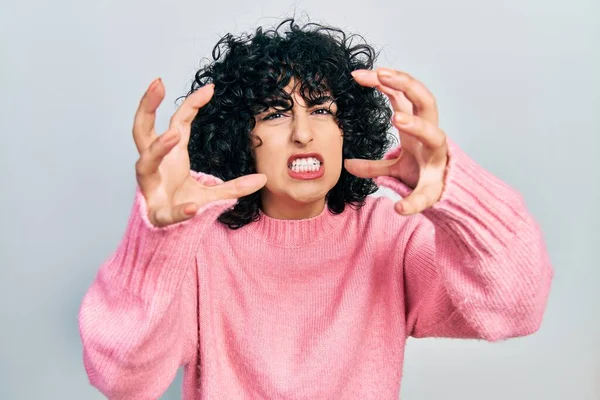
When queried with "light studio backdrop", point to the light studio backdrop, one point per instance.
{"points": [[517, 87]]}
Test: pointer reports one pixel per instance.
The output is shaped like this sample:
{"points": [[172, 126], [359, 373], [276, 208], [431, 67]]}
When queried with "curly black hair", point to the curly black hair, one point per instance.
{"points": [[250, 73]]}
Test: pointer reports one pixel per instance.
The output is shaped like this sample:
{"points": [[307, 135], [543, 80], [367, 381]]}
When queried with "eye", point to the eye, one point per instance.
{"points": [[273, 115], [322, 111]]}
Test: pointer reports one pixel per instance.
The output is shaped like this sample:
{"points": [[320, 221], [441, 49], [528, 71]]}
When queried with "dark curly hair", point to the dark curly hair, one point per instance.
{"points": [[250, 73]]}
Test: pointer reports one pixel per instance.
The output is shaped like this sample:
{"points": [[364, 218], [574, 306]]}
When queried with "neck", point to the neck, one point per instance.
{"points": [[278, 208]]}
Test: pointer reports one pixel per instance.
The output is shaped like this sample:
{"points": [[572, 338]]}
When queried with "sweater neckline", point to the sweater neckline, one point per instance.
{"points": [[294, 232]]}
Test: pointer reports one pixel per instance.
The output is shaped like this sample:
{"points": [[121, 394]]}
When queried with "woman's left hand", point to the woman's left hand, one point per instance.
{"points": [[423, 157]]}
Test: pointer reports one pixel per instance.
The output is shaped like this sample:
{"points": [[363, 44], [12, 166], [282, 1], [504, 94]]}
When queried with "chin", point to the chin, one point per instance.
{"points": [[308, 200], [309, 195]]}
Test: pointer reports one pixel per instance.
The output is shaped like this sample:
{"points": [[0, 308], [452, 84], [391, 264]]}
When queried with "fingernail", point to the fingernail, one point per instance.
{"points": [[359, 72], [154, 84], [399, 208], [190, 209]]}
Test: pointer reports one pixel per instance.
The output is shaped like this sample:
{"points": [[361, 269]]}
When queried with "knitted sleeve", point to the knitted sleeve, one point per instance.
{"points": [[475, 264], [138, 320]]}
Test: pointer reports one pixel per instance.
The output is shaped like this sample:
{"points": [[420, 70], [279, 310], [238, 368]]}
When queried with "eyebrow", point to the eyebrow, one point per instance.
{"points": [[279, 103], [321, 99]]}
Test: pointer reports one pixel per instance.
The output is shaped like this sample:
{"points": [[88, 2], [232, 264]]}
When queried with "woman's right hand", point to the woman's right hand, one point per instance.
{"points": [[163, 169]]}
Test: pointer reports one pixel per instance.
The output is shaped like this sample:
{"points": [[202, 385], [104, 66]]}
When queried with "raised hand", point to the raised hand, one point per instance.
{"points": [[423, 158], [163, 168]]}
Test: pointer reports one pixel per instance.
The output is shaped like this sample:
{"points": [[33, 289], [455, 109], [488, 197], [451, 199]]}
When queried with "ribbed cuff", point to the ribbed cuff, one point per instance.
{"points": [[477, 208], [216, 206], [152, 259]]}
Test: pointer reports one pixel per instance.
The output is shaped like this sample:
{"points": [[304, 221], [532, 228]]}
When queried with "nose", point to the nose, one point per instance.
{"points": [[302, 133]]}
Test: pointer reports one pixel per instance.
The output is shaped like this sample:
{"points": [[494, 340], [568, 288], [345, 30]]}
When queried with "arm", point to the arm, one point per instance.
{"points": [[475, 264], [138, 320]]}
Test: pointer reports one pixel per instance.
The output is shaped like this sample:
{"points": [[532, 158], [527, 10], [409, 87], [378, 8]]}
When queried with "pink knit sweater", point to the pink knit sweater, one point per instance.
{"points": [[312, 309]]}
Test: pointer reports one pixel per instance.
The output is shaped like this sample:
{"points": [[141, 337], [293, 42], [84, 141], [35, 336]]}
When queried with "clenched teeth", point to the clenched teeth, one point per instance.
{"points": [[305, 164]]}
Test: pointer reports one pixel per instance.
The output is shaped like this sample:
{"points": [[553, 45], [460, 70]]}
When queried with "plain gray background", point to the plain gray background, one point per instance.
{"points": [[517, 87]]}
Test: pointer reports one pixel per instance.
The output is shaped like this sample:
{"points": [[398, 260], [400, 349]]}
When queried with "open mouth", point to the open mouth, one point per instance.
{"points": [[308, 164]]}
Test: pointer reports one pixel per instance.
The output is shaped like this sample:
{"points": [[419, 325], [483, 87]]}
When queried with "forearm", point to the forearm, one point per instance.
{"points": [[138, 320], [490, 272]]}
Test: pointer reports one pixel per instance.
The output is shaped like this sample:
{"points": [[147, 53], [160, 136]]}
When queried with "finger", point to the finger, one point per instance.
{"points": [[188, 110], [419, 128], [422, 99], [419, 199], [369, 168], [171, 215], [366, 77], [145, 116], [238, 187], [398, 100], [210, 183], [150, 159]]}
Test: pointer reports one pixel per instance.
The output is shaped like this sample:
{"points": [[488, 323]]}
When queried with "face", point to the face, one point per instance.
{"points": [[301, 155]]}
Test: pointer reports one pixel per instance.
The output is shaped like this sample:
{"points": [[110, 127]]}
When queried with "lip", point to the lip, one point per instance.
{"points": [[306, 175], [305, 155]]}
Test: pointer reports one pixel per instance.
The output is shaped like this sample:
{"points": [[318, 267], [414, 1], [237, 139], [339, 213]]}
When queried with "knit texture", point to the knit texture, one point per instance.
{"points": [[318, 308]]}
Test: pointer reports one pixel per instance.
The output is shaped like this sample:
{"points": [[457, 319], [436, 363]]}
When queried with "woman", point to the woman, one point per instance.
{"points": [[271, 273]]}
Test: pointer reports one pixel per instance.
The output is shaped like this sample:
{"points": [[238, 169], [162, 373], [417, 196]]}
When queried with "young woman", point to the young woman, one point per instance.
{"points": [[255, 257]]}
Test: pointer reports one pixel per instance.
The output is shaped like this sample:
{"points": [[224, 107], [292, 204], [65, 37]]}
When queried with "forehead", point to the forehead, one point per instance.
{"points": [[296, 85], [293, 90], [302, 92]]}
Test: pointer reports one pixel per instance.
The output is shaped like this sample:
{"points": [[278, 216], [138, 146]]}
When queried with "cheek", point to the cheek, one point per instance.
{"points": [[261, 154], [260, 163], [267, 160], [334, 154], [337, 146]]}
